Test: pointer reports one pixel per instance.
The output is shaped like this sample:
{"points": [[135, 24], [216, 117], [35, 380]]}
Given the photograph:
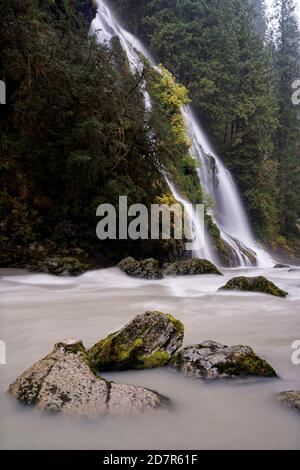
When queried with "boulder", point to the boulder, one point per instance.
{"points": [[254, 284], [193, 266], [290, 398], [64, 382], [211, 360], [62, 266], [147, 342], [145, 269]]}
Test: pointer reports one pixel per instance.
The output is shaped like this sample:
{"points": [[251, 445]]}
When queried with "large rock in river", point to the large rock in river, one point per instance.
{"points": [[148, 341], [193, 266], [145, 269], [64, 382], [290, 398], [254, 284], [211, 360]]}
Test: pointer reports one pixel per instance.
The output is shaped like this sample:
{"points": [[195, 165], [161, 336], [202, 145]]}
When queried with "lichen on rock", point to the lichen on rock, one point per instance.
{"points": [[145, 269], [212, 360], [64, 382], [290, 398], [148, 341], [194, 266], [254, 284]]}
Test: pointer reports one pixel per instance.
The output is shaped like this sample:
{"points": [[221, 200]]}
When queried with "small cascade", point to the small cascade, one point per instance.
{"points": [[227, 210], [207, 251]]}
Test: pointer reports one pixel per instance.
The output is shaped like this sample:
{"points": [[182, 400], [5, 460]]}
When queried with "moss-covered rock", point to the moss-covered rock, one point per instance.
{"points": [[145, 269], [290, 398], [192, 266], [211, 360], [64, 382], [254, 284], [62, 266], [147, 342]]}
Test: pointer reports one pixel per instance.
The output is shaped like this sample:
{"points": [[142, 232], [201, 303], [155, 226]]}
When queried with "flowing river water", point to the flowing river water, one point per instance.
{"points": [[37, 310]]}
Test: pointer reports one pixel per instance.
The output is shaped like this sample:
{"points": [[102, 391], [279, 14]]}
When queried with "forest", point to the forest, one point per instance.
{"points": [[75, 133]]}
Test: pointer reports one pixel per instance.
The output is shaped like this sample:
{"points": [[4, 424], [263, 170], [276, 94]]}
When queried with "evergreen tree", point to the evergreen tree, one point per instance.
{"points": [[287, 63]]}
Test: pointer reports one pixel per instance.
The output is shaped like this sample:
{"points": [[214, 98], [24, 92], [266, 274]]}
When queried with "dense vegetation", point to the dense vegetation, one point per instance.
{"points": [[75, 135], [239, 78]]}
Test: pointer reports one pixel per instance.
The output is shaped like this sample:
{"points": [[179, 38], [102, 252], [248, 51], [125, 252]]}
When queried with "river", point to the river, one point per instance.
{"points": [[37, 310]]}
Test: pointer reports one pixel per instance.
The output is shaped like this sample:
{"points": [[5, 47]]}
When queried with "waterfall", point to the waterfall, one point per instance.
{"points": [[227, 210]]}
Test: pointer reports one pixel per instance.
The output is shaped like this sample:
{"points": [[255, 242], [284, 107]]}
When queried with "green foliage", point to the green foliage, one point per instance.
{"points": [[75, 133], [216, 48], [286, 56]]}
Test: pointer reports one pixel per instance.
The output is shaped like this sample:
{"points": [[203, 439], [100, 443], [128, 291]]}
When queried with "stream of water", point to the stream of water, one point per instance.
{"points": [[37, 310]]}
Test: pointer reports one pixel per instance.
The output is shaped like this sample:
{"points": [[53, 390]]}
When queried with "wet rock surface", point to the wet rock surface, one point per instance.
{"points": [[145, 269], [193, 266], [64, 382], [147, 342], [254, 284], [290, 398], [212, 360]]}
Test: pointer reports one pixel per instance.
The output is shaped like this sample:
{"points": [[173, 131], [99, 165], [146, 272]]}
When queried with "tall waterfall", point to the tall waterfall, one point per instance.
{"points": [[227, 210]]}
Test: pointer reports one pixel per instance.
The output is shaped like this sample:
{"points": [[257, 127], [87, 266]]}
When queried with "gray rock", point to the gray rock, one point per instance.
{"points": [[290, 398], [145, 269], [193, 266], [254, 284], [281, 266], [62, 266], [64, 382], [211, 360], [148, 341]]}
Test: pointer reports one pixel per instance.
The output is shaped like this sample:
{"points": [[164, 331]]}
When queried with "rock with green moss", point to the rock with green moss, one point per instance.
{"points": [[192, 266], [62, 266], [147, 342], [254, 284], [290, 398], [211, 360], [145, 269], [63, 382]]}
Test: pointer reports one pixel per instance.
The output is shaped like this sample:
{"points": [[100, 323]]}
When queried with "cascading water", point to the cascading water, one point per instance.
{"points": [[227, 211]]}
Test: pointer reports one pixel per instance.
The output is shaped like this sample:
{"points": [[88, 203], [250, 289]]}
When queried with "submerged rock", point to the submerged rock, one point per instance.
{"points": [[290, 398], [193, 266], [281, 266], [254, 284], [145, 269], [211, 360], [63, 382], [147, 342]]}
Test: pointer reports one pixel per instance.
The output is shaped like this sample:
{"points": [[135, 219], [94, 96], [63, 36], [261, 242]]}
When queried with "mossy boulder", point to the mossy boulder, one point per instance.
{"points": [[290, 398], [211, 360], [254, 284], [192, 266], [63, 382], [147, 342], [145, 269], [62, 266]]}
